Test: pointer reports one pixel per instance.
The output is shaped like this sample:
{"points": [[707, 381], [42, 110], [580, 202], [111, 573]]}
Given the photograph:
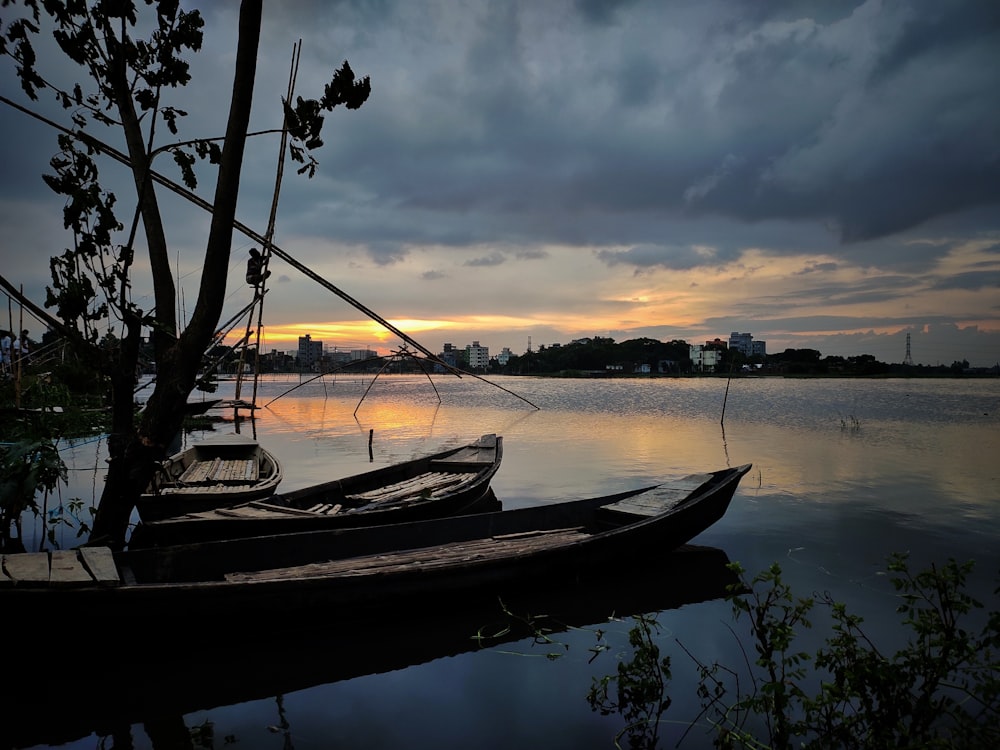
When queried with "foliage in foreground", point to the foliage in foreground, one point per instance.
{"points": [[29, 468], [940, 690]]}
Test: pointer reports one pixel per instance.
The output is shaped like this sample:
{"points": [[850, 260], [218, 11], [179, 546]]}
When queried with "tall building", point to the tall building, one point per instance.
{"points": [[310, 352], [504, 356], [477, 356], [741, 342]]}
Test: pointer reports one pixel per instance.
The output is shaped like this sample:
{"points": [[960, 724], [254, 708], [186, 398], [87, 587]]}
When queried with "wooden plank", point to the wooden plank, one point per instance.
{"points": [[424, 558], [691, 482], [245, 511], [467, 459], [440, 484], [100, 561], [273, 508], [198, 471], [233, 471], [487, 441], [66, 569], [27, 567], [662, 498], [538, 532], [413, 486], [417, 481]]}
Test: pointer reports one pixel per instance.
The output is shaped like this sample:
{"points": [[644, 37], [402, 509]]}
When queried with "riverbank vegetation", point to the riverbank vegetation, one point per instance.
{"points": [[603, 357], [939, 689]]}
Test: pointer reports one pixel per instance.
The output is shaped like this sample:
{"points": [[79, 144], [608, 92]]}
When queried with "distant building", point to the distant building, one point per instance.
{"points": [[717, 342], [310, 352], [357, 355], [450, 356], [478, 357], [741, 342], [744, 343], [504, 356], [704, 359], [338, 358]]}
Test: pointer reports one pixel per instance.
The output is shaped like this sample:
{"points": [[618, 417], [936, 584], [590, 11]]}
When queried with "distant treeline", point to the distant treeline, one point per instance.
{"points": [[640, 356]]}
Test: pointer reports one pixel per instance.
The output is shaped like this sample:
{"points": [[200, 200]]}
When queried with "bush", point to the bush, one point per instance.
{"points": [[940, 690]]}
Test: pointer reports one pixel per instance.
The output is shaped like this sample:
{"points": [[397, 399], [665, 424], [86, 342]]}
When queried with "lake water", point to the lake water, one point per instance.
{"points": [[844, 473]]}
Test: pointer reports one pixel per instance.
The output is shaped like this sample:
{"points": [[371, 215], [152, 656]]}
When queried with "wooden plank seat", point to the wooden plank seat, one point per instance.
{"points": [[428, 484], [425, 558], [231, 471], [660, 499], [75, 567], [470, 458], [205, 488]]}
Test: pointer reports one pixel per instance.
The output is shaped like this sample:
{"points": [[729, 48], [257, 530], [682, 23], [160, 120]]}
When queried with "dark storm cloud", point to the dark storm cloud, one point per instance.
{"points": [[592, 138], [973, 281], [837, 294], [605, 122]]}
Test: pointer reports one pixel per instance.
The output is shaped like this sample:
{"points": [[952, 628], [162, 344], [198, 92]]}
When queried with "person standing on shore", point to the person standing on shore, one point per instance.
{"points": [[22, 347], [6, 345]]}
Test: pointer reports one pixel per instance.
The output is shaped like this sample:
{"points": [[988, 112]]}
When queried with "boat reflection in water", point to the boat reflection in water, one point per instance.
{"points": [[155, 681]]}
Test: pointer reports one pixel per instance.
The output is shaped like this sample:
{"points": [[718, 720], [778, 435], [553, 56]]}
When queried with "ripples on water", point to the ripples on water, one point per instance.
{"points": [[845, 472]]}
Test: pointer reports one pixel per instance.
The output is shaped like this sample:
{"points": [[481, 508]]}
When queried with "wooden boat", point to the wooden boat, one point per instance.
{"points": [[445, 483], [233, 582], [56, 702], [195, 408], [218, 471]]}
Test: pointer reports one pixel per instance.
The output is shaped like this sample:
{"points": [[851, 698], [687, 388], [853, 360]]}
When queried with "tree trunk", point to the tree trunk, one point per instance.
{"points": [[133, 453]]}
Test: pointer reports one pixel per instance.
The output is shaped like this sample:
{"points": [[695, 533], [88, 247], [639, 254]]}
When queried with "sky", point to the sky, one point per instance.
{"points": [[821, 175]]}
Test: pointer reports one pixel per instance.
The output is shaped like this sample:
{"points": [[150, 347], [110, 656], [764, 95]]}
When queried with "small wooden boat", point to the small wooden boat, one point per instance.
{"points": [[446, 483], [218, 471], [195, 408], [230, 583]]}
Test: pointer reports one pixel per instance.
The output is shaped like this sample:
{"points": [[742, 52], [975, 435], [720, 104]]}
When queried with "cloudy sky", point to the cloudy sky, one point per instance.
{"points": [[822, 175]]}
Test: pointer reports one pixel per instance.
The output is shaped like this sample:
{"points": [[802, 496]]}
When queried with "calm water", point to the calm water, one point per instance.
{"points": [[845, 472]]}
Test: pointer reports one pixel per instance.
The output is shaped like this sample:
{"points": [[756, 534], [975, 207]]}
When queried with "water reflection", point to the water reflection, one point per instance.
{"points": [[845, 472], [158, 684]]}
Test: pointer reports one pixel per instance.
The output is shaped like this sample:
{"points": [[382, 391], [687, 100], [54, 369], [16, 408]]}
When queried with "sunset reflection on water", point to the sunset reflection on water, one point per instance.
{"points": [[844, 473]]}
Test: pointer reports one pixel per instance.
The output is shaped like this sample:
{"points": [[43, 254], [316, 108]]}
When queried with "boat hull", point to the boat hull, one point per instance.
{"points": [[220, 471], [451, 482], [350, 570], [277, 654]]}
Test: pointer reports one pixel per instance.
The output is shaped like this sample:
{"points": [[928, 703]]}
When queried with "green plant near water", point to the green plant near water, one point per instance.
{"points": [[940, 690], [639, 689], [30, 471]]}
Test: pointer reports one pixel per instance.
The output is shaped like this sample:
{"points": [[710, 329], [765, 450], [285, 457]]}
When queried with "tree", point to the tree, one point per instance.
{"points": [[130, 79]]}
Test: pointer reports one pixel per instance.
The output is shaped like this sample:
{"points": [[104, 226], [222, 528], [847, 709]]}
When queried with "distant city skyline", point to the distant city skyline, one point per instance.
{"points": [[821, 174], [386, 350]]}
